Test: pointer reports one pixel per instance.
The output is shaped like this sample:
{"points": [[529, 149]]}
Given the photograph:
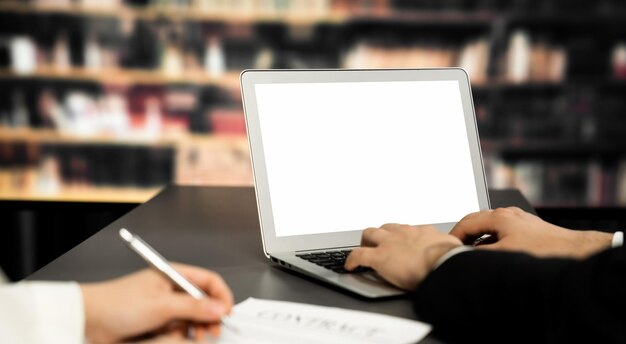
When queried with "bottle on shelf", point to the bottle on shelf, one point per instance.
{"points": [[214, 59], [618, 61], [154, 121], [518, 59], [264, 59], [93, 54], [539, 61], [20, 117], [49, 111], [23, 55], [114, 117], [61, 54], [474, 58], [172, 63], [83, 112], [49, 176]]}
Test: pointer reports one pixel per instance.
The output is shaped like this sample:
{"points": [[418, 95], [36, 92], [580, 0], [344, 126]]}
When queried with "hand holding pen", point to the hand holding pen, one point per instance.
{"points": [[145, 303]]}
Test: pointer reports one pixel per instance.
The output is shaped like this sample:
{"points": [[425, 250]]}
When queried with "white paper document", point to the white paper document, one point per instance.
{"points": [[265, 321]]}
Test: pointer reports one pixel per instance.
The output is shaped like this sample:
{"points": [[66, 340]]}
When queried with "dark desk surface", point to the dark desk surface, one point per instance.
{"points": [[214, 227]]}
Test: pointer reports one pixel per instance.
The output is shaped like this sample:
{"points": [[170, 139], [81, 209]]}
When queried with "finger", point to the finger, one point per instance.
{"points": [[209, 331], [492, 246], [213, 330], [165, 339], [373, 236], [363, 256], [474, 214], [210, 282], [182, 306], [393, 226], [470, 228]]}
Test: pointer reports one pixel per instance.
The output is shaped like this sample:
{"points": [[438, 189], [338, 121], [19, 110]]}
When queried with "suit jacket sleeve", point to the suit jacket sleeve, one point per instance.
{"points": [[489, 296]]}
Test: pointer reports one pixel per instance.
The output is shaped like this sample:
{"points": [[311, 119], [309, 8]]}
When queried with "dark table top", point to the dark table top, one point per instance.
{"points": [[217, 228]]}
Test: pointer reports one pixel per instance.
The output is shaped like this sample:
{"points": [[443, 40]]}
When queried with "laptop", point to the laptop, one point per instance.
{"points": [[337, 151]]}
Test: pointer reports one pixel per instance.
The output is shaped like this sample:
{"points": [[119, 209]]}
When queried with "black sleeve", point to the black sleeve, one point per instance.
{"points": [[489, 296]]}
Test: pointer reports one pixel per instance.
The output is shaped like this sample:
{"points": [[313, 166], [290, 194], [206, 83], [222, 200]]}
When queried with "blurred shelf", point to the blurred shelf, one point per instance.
{"points": [[127, 77], [530, 86], [542, 148], [53, 137], [564, 20], [546, 87], [232, 14], [83, 194], [429, 18], [229, 15]]}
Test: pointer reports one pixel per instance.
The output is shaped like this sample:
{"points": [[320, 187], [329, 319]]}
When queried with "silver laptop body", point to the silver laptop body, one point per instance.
{"points": [[336, 151]]}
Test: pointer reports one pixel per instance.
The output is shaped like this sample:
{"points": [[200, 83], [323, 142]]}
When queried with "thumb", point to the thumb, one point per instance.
{"points": [[473, 227], [181, 306]]}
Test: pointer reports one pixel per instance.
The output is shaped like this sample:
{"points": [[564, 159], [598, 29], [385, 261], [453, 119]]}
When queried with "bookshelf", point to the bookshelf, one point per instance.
{"points": [[126, 77], [216, 13], [547, 81], [83, 195]]}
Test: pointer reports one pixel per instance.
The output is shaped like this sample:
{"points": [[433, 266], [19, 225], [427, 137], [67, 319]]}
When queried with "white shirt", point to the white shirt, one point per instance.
{"points": [[41, 312]]}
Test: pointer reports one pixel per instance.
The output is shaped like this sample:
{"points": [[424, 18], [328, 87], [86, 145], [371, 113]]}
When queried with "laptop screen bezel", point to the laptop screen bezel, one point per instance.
{"points": [[250, 78]]}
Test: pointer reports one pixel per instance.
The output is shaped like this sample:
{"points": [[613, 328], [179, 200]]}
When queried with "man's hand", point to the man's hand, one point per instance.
{"points": [[516, 230], [147, 303], [402, 254]]}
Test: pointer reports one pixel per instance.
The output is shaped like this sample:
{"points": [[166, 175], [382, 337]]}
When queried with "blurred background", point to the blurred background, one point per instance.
{"points": [[104, 102]]}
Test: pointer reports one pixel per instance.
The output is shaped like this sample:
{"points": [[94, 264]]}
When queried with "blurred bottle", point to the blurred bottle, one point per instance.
{"points": [[172, 60], [114, 117], [49, 176], [83, 113], [61, 54], [518, 60], [154, 120], [20, 118], [214, 59], [558, 65], [23, 55], [474, 58], [264, 59], [93, 54], [619, 61]]}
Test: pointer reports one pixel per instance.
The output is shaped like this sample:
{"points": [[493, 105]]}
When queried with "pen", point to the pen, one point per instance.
{"points": [[154, 259], [157, 261]]}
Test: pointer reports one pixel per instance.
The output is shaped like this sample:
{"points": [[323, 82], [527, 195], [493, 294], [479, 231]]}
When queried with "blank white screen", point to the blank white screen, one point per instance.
{"points": [[347, 156]]}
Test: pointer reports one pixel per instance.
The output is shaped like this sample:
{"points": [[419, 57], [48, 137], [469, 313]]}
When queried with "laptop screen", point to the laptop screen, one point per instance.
{"points": [[350, 155]]}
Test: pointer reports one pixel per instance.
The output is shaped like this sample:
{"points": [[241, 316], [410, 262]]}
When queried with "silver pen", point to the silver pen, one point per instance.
{"points": [[157, 261], [154, 259]]}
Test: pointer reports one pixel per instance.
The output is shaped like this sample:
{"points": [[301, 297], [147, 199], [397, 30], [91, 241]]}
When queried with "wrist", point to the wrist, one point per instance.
{"points": [[592, 242], [92, 327], [434, 252]]}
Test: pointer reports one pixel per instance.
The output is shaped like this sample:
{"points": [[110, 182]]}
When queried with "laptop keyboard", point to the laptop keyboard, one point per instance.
{"points": [[332, 260]]}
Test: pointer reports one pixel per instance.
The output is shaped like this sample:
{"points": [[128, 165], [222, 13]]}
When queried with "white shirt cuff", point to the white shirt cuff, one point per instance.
{"points": [[453, 252], [42, 312], [618, 240]]}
